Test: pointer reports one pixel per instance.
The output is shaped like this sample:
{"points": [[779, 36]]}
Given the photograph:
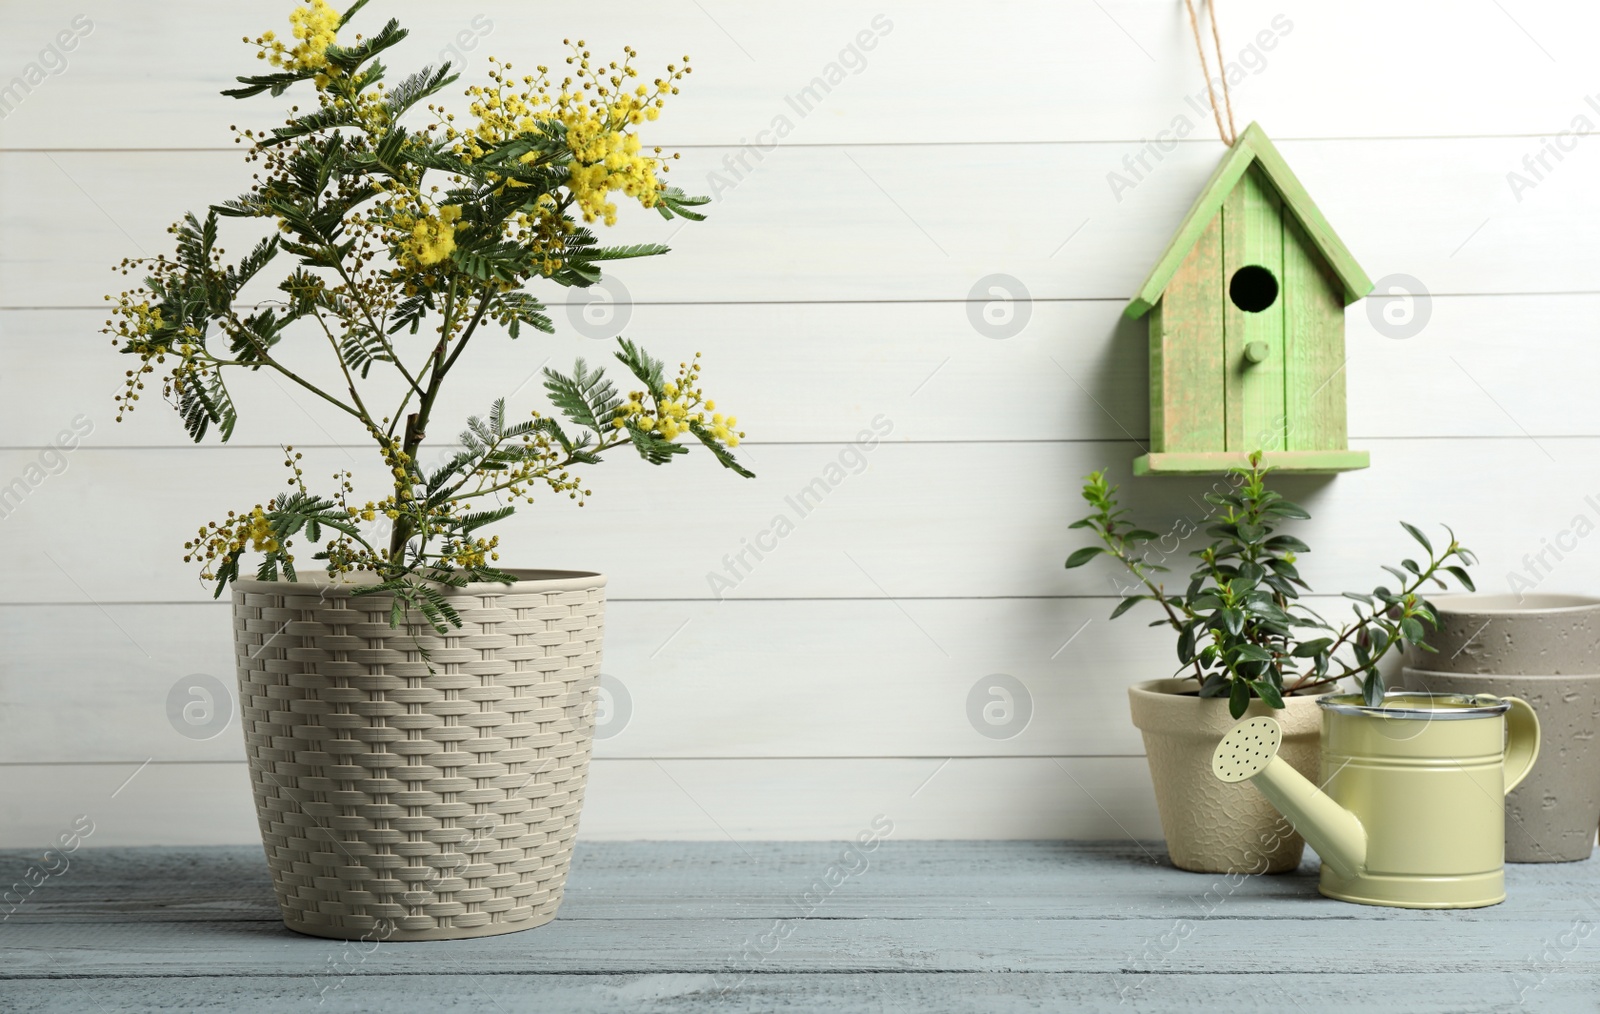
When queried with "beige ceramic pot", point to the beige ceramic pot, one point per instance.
{"points": [[404, 797], [1213, 826]]}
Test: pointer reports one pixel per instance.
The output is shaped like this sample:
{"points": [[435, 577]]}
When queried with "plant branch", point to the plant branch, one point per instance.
{"points": [[349, 380], [360, 302], [266, 358]]}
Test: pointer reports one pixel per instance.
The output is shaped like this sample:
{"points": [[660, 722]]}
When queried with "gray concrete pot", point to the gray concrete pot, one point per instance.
{"points": [[1512, 635], [1544, 649], [1551, 816]]}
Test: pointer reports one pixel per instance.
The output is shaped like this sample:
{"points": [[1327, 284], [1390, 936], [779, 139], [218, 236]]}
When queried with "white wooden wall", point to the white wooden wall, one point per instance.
{"points": [[830, 288]]}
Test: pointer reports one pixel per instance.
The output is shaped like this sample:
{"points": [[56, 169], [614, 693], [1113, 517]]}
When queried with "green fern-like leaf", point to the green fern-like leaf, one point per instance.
{"points": [[617, 253], [586, 398], [351, 57], [492, 262], [252, 263], [652, 448], [513, 309], [227, 572], [203, 400], [410, 312], [435, 606], [673, 202], [361, 348], [325, 118], [641, 364], [415, 88], [472, 522], [718, 450], [259, 332], [255, 84], [576, 275], [243, 206]]}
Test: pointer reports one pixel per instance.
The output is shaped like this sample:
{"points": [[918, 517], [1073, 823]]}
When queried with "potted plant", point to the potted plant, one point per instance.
{"points": [[1247, 643], [417, 719]]}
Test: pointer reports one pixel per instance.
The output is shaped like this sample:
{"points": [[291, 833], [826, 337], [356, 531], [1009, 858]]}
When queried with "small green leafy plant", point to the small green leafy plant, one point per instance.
{"points": [[408, 239], [1243, 630]]}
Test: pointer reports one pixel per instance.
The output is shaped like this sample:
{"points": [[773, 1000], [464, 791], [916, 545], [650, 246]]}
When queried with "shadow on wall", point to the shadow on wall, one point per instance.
{"points": [[1172, 505]]}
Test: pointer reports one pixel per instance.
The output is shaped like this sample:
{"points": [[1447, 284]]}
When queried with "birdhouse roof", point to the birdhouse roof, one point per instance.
{"points": [[1252, 148]]}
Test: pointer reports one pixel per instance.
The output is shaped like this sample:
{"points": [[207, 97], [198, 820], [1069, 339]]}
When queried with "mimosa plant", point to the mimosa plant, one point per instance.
{"points": [[408, 241], [1243, 630]]}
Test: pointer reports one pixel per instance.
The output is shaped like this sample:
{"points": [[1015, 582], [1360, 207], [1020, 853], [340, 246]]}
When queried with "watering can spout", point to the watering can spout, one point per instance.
{"points": [[1249, 752]]}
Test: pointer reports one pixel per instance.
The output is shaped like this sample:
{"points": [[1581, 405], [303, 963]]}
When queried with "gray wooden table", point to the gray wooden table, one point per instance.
{"points": [[762, 926]]}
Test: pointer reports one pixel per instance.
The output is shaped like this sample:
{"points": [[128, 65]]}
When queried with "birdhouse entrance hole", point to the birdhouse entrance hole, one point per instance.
{"points": [[1253, 288]]}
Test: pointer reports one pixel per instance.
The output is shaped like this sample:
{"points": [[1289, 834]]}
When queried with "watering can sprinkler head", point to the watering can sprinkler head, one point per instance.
{"points": [[1249, 752], [1247, 749]]}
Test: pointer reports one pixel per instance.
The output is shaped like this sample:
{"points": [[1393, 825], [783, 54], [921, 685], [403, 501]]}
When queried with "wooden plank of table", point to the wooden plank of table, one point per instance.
{"points": [[845, 992], [921, 925], [758, 880]]}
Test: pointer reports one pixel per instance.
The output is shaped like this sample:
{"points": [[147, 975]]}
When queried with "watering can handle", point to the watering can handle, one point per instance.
{"points": [[1522, 741]]}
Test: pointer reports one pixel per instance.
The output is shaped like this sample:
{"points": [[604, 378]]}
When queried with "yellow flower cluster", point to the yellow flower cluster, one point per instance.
{"points": [[134, 324], [594, 112], [259, 531], [346, 555], [544, 231], [313, 27], [604, 160], [140, 319], [401, 467], [474, 552], [430, 238], [679, 405], [138, 327], [235, 534]]}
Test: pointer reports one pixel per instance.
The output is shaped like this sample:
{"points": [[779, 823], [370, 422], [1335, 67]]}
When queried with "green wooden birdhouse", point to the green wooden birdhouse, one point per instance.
{"points": [[1246, 310]]}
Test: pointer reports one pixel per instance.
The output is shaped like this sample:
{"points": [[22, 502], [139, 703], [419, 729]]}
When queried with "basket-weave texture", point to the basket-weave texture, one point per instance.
{"points": [[411, 798]]}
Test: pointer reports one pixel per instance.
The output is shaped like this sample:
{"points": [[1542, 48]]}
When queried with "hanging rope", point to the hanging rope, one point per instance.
{"points": [[1229, 133]]}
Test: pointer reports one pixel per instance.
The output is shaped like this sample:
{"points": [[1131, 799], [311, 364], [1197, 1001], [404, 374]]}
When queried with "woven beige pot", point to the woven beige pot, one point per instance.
{"points": [[402, 804], [1212, 826]]}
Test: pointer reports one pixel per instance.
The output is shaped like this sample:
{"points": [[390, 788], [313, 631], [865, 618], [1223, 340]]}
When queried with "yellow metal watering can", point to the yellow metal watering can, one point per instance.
{"points": [[1411, 811]]}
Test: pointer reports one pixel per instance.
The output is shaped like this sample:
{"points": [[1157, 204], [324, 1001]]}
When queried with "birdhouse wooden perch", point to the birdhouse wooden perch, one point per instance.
{"points": [[1246, 310]]}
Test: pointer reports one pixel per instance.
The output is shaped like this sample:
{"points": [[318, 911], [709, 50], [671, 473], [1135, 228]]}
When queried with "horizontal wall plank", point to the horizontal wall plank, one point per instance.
{"points": [[816, 371], [877, 223], [820, 371], [1127, 66], [734, 679], [809, 799], [897, 520]]}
